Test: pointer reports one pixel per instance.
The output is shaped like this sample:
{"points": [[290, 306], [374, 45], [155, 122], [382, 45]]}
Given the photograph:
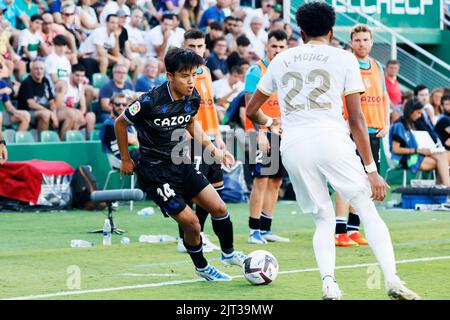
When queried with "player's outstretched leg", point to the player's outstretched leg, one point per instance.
{"points": [[202, 214], [194, 246], [380, 242], [208, 246], [209, 199], [325, 251]]}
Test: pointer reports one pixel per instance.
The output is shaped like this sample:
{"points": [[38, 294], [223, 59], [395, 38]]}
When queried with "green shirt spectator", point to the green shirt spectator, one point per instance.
{"points": [[27, 7]]}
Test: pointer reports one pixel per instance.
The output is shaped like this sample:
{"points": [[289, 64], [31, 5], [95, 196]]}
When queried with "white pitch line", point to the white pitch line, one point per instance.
{"points": [[168, 283], [149, 274], [414, 243]]}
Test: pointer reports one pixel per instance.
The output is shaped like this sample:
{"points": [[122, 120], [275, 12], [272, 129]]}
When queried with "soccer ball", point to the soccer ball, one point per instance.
{"points": [[260, 267]]}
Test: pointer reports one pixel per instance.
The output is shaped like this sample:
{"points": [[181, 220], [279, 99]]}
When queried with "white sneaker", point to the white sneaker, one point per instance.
{"points": [[180, 247], [271, 237], [256, 237], [210, 273], [208, 246], [330, 289], [398, 291], [237, 259]]}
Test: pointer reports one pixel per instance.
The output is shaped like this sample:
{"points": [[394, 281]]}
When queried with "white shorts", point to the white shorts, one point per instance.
{"points": [[320, 157]]}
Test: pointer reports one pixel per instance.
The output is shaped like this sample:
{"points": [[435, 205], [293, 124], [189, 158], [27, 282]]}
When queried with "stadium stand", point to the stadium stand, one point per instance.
{"points": [[99, 43]]}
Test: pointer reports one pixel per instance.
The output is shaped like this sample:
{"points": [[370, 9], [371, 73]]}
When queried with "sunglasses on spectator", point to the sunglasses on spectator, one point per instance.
{"points": [[120, 104], [269, 5], [68, 14]]}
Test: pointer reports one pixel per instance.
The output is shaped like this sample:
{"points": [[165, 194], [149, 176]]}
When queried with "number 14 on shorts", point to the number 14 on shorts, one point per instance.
{"points": [[166, 192]]}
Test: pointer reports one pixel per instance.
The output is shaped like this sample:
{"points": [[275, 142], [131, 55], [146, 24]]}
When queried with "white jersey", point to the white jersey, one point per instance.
{"points": [[311, 81], [73, 95], [58, 65]]}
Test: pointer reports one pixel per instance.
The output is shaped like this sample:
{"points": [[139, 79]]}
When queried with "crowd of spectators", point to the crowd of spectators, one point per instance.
{"points": [[61, 62]]}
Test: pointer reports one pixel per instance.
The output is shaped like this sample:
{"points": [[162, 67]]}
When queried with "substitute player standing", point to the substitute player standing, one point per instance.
{"points": [[207, 117], [316, 147], [266, 184], [375, 107], [159, 116]]}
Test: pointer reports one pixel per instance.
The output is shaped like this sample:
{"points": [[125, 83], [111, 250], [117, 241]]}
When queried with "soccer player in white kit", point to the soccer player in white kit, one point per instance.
{"points": [[316, 147]]}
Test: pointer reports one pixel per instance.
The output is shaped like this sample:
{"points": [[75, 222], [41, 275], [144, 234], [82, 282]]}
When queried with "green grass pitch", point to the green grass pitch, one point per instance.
{"points": [[36, 260]]}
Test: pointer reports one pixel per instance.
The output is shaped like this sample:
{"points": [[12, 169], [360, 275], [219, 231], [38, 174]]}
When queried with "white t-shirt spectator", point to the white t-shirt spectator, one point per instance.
{"points": [[89, 15], [222, 87], [73, 95], [31, 41], [98, 37], [255, 13], [60, 66], [178, 37], [135, 35], [257, 42], [111, 8], [154, 38]]}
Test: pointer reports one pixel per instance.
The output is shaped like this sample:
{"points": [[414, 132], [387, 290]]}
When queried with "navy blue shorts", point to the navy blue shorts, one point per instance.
{"points": [[170, 186]]}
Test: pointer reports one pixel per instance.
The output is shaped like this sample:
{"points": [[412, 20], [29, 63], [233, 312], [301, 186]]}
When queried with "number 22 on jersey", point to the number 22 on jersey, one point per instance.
{"points": [[298, 84]]}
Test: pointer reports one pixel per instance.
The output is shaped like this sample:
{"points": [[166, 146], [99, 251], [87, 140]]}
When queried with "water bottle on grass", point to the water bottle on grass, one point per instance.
{"points": [[81, 244], [107, 233]]}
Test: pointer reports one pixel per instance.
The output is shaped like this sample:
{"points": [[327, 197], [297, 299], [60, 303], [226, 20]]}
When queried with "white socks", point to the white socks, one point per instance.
{"points": [[377, 235], [323, 240], [376, 232]]}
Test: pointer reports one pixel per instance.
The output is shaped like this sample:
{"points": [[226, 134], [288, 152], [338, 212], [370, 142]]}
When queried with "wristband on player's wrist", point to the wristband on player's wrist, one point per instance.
{"points": [[371, 167]]}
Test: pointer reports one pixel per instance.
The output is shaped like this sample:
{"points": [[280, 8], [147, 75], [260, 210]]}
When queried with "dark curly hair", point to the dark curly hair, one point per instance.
{"points": [[315, 18]]}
